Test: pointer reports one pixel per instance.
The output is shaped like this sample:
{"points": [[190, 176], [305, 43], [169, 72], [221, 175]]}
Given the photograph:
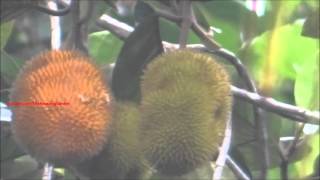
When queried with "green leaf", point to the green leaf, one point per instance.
{"points": [[169, 31], [10, 66], [5, 29], [305, 166], [306, 90], [9, 148], [313, 3], [283, 49], [217, 16], [69, 175], [104, 47]]}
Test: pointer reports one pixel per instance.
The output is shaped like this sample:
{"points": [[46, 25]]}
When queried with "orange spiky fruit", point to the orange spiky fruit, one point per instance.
{"points": [[66, 133]]}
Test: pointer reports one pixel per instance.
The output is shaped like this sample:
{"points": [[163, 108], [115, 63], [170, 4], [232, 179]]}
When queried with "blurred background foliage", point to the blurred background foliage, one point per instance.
{"points": [[278, 41]]}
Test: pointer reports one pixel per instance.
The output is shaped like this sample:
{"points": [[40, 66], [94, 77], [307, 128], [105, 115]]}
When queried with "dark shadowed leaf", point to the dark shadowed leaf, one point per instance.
{"points": [[138, 50], [5, 29], [11, 9], [10, 66], [23, 167], [142, 11], [311, 25], [9, 149]]}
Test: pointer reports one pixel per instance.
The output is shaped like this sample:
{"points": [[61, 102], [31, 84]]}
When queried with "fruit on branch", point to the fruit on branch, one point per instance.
{"points": [[61, 133], [121, 156], [186, 101]]}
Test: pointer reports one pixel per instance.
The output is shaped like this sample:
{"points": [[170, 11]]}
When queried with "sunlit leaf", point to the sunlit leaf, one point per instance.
{"points": [[104, 47], [305, 167], [306, 89], [288, 52]]}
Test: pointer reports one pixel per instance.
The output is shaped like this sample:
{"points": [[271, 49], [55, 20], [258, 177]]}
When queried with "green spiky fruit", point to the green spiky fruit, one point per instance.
{"points": [[186, 101], [121, 156]]}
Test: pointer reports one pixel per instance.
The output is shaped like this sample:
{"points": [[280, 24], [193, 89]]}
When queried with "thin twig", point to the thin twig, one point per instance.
{"points": [[223, 153], [55, 27], [293, 145], [47, 172], [77, 37], [236, 62], [197, 29], [237, 171], [76, 29], [204, 36], [289, 152], [186, 7], [87, 15]]}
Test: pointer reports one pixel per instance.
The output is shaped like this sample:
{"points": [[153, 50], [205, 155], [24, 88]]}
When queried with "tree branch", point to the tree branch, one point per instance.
{"points": [[289, 152], [120, 29], [77, 37], [286, 110], [204, 36], [55, 27]]}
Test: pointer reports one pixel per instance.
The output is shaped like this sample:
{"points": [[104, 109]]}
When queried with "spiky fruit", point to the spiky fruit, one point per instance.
{"points": [[68, 133], [121, 156], [186, 102]]}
